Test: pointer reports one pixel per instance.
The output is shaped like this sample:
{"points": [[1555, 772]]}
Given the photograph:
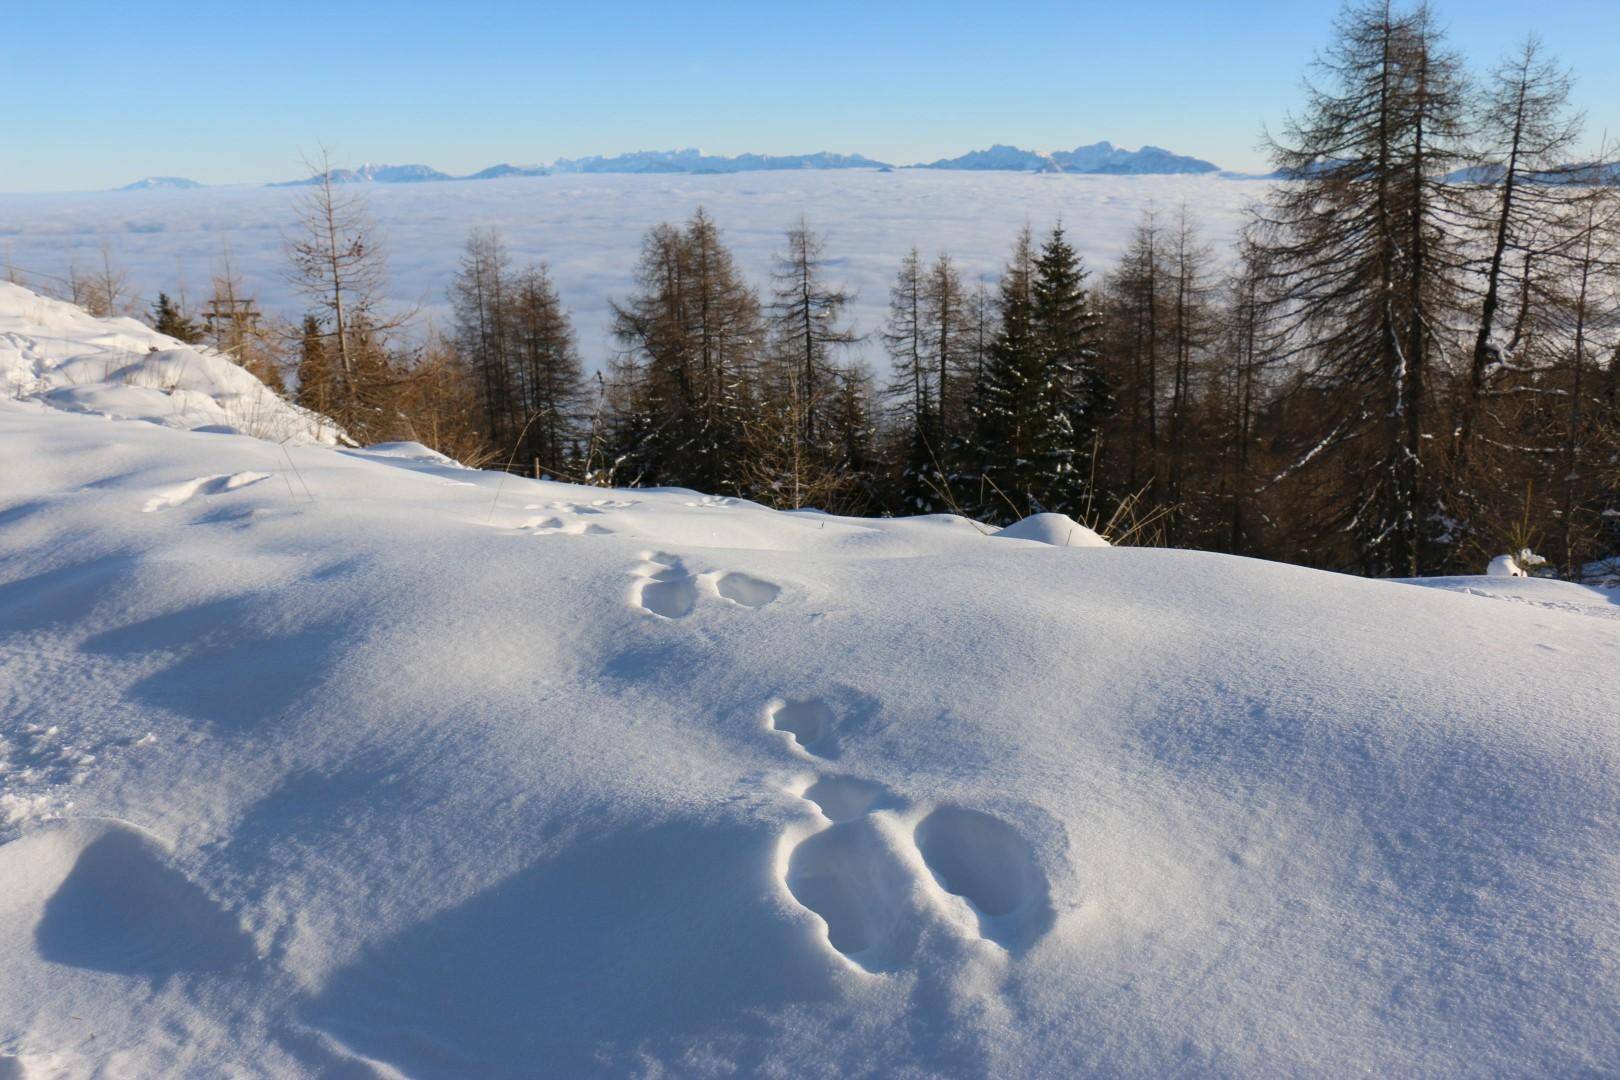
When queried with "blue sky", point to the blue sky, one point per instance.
{"points": [[101, 93]]}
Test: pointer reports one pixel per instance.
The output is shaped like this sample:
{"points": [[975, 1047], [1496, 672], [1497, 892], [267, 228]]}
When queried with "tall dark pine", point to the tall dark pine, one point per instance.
{"points": [[1023, 441], [478, 296], [167, 318], [1069, 334]]}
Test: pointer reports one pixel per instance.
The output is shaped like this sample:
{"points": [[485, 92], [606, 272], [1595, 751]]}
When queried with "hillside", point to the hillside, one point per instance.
{"points": [[53, 353], [323, 761]]}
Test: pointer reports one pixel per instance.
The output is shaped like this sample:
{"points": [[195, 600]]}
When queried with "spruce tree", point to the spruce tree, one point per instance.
{"points": [[1023, 439], [1068, 330], [913, 394], [167, 318]]}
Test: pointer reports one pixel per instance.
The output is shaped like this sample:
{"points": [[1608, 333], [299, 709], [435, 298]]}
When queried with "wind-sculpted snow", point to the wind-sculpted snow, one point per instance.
{"points": [[372, 773], [589, 228], [54, 353]]}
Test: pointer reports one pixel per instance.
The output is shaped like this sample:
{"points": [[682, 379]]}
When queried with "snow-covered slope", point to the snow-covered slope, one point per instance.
{"points": [[53, 352], [333, 762]]}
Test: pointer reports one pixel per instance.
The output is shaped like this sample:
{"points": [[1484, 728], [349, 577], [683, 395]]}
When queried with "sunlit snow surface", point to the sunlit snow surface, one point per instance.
{"points": [[359, 763], [590, 228]]}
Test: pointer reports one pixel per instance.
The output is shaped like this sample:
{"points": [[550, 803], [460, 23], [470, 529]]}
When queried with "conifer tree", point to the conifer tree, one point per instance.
{"points": [[167, 318], [693, 333], [1360, 245], [478, 296], [913, 394], [542, 346], [1023, 443], [805, 317], [1068, 330]]}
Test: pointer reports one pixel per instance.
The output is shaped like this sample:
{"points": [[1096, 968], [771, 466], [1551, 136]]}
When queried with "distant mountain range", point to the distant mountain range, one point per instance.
{"points": [[155, 183], [1098, 158], [380, 174], [1102, 158]]}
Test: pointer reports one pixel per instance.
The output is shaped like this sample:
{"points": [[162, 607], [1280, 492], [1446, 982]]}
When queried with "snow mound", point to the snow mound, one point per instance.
{"points": [[460, 774], [55, 353], [1059, 530]]}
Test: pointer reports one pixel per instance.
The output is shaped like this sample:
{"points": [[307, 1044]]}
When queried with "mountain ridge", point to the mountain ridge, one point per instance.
{"points": [[1101, 158]]}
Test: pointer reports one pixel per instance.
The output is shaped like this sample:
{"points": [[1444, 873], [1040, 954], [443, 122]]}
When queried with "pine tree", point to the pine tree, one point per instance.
{"points": [[913, 394], [317, 375], [1136, 304], [1023, 442], [1068, 331], [337, 262], [167, 318], [478, 296]]}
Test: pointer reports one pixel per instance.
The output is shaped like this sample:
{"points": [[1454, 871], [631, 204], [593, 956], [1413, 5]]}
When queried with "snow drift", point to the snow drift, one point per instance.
{"points": [[53, 351], [318, 761]]}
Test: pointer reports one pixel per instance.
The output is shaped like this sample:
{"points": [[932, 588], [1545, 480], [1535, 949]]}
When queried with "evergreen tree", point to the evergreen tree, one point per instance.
{"points": [[478, 296], [167, 318], [913, 394], [1068, 331], [317, 375], [1023, 440]]}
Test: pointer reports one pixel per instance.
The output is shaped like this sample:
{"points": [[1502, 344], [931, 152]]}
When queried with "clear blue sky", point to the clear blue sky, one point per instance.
{"points": [[101, 93]]}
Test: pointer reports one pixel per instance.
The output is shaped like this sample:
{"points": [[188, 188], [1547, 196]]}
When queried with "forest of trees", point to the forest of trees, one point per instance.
{"points": [[1410, 364]]}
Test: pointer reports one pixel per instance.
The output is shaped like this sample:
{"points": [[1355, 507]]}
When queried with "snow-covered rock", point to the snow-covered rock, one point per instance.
{"points": [[54, 353], [346, 762], [1518, 565], [1059, 530]]}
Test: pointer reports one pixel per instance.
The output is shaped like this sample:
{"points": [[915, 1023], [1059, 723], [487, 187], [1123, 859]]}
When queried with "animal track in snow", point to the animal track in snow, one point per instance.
{"points": [[181, 494], [552, 525], [847, 876], [750, 592], [844, 798], [110, 901], [668, 589], [989, 864], [809, 721], [862, 878]]}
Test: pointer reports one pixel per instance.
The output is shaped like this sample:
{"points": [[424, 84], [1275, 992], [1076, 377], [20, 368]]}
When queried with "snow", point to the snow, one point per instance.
{"points": [[1059, 530], [1504, 566], [356, 770], [55, 353], [590, 229]]}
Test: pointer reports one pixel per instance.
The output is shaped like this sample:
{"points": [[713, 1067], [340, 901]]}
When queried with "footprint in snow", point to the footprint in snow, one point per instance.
{"points": [[809, 721], [181, 494], [549, 526], [858, 877], [665, 588], [110, 901], [668, 589], [750, 592]]}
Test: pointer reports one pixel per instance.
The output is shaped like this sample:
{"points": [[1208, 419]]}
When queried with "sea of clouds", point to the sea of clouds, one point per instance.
{"points": [[589, 229]]}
